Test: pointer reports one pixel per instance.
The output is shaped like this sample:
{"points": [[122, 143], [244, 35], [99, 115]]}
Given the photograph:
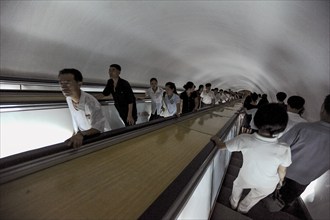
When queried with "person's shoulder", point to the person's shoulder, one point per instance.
{"points": [[176, 96], [88, 97], [123, 81]]}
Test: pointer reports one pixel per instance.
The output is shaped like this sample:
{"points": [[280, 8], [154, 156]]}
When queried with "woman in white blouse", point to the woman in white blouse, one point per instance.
{"points": [[171, 100]]}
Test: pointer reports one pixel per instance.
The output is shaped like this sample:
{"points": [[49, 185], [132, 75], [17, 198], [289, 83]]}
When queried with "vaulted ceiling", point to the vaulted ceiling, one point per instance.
{"points": [[262, 46]]}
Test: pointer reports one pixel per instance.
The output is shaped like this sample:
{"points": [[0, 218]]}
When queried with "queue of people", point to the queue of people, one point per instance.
{"points": [[88, 118], [282, 150], [276, 142]]}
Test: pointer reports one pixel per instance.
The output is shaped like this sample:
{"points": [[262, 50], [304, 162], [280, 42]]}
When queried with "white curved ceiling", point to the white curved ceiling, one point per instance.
{"points": [[263, 46]]}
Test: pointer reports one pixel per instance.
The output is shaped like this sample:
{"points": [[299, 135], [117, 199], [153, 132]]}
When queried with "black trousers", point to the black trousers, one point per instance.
{"points": [[154, 116], [291, 190]]}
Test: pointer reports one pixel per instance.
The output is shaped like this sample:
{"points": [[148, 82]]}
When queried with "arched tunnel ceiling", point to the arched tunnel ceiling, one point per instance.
{"points": [[263, 46]]}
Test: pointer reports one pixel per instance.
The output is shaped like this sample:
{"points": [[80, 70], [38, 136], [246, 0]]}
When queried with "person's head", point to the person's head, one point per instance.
{"points": [[200, 88], [281, 96], [208, 86], [170, 88], [114, 70], [295, 103], [189, 87], [153, 83], [264, 96], [70, 81], [325, 109], [254, 97], [271, 119], [247, 101]]}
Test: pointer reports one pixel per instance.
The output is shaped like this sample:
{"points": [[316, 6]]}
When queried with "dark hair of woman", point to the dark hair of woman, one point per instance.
{"points": [[188, 85], [171, 86]]}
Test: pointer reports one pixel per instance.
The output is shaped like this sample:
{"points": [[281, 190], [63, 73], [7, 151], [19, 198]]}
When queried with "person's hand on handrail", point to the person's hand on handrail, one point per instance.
{"points": [[219, 143]]}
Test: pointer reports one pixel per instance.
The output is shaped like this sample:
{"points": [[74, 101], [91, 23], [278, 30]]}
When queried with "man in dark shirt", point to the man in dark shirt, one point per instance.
{"points": [[123, 95]]}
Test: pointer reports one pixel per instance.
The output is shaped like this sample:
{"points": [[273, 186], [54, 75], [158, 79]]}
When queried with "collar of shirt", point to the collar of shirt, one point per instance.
{"points": [[82, 100], [267, 139]]}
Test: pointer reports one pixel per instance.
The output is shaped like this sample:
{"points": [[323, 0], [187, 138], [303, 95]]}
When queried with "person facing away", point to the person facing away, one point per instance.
{"points": [[86, 112], [281, 96], [263, 100], [123, 95], [264, 158], [250, 108], [172, 100], [155, 93], [310, 149], [295, 105], [208, 97], [189, 98]]}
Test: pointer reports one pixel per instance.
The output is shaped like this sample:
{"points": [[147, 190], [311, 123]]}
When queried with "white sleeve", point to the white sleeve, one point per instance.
{"points": [[235, 144]]}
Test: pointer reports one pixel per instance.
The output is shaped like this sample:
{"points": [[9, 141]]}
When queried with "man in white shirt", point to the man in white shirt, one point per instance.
{"points": [[265, 157], [86, 112], [155, 93], [295, 105], [208, 98]]}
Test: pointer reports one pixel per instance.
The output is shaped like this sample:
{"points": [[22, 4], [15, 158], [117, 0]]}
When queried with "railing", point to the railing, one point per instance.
{"points": [[18, 165]]}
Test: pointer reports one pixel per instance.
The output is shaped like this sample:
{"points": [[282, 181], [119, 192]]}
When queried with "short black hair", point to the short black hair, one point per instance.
{"points": [[117, 66], [296, 102], [254, 96], [208, 85], [188, 85], [200, 87], [327, 104], [76, 73], [281, 96], [271, 117], [153, 79]]}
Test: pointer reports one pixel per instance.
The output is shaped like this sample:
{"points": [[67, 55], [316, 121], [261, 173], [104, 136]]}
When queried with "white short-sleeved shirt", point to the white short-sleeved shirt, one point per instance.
{"points": [[89, 114], [171, 103], [261, 159], [294, 118], [156, 99], [252, 112], [207, 97]]}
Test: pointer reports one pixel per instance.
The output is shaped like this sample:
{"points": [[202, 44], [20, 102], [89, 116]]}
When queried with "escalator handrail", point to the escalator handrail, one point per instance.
{"points": [[15, 166]]}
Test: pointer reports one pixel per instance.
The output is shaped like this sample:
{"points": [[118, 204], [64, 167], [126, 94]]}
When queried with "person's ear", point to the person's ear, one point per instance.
{"points": [[80, 84]]}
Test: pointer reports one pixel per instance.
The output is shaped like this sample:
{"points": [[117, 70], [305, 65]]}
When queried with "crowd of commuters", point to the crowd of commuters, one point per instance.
{"points": [[280, 149], [87, 115], [275, 140]]}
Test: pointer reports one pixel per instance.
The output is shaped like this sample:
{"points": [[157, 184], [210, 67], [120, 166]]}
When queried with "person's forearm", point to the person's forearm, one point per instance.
{"points": [[281, 172], [178, 109], [130, 109], [89, 132], [220, 144]]}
